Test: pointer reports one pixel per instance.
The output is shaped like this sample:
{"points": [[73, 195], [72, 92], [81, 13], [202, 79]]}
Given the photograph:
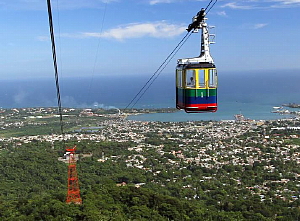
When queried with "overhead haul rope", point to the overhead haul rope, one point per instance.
{"points": [[55, 67], [161, 70], [167, 60], [151, 80], [59, 39], [211, 6], [97, 51]]}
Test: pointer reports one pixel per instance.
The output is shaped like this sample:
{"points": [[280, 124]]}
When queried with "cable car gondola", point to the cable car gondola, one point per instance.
{"points": [[196, 78]]}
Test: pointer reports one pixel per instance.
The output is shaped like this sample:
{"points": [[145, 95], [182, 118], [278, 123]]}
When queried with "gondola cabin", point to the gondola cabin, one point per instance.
{"points": [[196, 88], [196, 78]]}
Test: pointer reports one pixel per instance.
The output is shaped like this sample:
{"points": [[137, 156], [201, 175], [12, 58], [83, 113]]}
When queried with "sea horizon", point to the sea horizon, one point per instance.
{"points": [[252, 94]]}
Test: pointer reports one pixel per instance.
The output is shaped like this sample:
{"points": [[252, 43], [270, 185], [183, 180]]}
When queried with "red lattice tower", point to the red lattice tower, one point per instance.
{"points": [[73, 195]]}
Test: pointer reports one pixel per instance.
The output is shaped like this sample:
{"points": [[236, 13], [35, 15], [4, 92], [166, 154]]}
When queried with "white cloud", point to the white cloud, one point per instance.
{"points": [[75, 4], [222, 13], [156, 30], [254, 26], [43, 38], [234, 5], [41, 4], [287, 2], [154, 2], [264, 4], [261, 25]]}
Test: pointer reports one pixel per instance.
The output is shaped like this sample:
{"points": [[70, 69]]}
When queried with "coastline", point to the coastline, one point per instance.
{"points": [[181, 116]]}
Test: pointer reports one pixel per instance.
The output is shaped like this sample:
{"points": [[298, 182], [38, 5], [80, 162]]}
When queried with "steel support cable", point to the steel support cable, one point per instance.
{"points": [[208, 5], [97, 51], [101, 30], [189, 34], [55, 67], [211, 6], [59, 39], [165, 61]]}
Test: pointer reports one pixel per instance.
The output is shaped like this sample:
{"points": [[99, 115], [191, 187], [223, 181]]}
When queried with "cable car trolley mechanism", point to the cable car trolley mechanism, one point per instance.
{"points": [[196, 78]]}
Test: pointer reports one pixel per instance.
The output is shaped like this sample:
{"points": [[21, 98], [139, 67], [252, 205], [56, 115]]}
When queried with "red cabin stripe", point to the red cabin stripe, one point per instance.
{"points": [[197, 105]]}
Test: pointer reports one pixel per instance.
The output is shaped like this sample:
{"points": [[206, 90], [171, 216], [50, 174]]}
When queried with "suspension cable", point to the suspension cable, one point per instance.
{"points": [[59, 37], [97, 50], [163, 68], [55, 67], [208, 5], [159, 68], [211, 7], [151, 80]]}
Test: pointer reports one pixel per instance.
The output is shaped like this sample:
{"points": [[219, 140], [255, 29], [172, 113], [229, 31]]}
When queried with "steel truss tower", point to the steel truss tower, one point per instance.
{"points": [[73, 195]]}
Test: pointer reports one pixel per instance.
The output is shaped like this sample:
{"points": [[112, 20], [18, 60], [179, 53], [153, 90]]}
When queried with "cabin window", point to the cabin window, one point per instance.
{"points": [[201, 82], [212, 78], [190, 78], [179, 78]]}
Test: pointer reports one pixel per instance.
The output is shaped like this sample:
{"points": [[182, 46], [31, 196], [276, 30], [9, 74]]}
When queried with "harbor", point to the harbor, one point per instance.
{"points": [[287, 109]]}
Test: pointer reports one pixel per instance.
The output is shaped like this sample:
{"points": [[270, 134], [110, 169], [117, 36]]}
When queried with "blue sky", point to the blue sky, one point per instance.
{"points": [[127, 37]]}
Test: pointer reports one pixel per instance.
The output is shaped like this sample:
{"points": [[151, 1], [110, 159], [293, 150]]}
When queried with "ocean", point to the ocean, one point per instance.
{"points": [[251, 93]]}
